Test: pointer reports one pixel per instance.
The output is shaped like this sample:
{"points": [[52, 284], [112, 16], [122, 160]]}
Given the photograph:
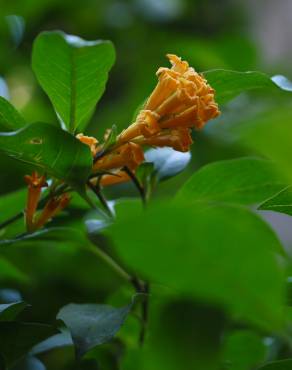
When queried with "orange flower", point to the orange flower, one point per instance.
{"points": [[182, 98], [146, 124], [35, 184], [117, 178], [129, 154], [89, 141], [52, 207], [179, 139]]}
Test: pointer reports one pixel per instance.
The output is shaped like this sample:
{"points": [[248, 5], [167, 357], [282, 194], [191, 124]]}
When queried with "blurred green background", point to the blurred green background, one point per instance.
{"points": [[229, 34]]}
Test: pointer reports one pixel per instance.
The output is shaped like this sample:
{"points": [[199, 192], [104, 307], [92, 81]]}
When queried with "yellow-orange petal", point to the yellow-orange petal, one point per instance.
{"points": [[35, 180], [179, 139], [177, 102], [118, 178], [147, 120], [187, 118], [129, 154], [35, 184], [178, 64], [165, 87], [146, 124], [51, 209], [89, 141]]}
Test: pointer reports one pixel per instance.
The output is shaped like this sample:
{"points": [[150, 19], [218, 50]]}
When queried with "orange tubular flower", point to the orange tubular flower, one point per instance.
{"points": [[89, 141], [129, 154], [53, 207], [35, 184], [118, 178], [179, 139], [182, 98]]}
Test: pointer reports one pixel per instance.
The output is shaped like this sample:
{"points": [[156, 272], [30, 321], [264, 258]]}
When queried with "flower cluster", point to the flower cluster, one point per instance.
{"points": [[181, 100]]}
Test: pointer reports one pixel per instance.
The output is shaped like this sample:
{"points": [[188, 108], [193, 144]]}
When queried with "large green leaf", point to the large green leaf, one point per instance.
{"points": [[10, 119], [60, 340], [242, 181], [281, 202], [29, 363], [221, 254], [278, 365], [17, 338], [243, 350], [12, 203], [270, 134], [73, 72], [9, 311], [50, 149], [9, 272], [229, 84], [92, 324], [56, 233], [183, 334]]}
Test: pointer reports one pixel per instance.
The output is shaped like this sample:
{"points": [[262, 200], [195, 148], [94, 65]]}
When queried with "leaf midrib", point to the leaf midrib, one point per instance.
{"points": [[234, 191], [72, 121]]}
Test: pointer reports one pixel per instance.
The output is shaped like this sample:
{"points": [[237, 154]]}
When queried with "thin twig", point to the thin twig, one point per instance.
{"points": [[144, 313], [136, 183], [140, 287], [113, 264], [11, 220], [103, 201]]}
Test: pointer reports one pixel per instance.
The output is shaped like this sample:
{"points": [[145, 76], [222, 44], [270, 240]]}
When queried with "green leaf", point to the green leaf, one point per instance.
{"points": [[9, 272], [50, 149], [229, 84], [147, 177], [56, 233], [56, 341], [92, 324], [167, 161], [278, 365], [73, 72], [111, 138], [17, 338], [242, 181], [184, 335], [4, 90], [12, 203], [29, 363], [243, 350], [10, 118], [10, 311], [225, 255], [10, 296], [269, 134], [281, 202]]}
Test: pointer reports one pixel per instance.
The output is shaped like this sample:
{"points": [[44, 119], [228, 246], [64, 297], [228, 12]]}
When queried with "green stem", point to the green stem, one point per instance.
{"points": [[138, 285]]}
